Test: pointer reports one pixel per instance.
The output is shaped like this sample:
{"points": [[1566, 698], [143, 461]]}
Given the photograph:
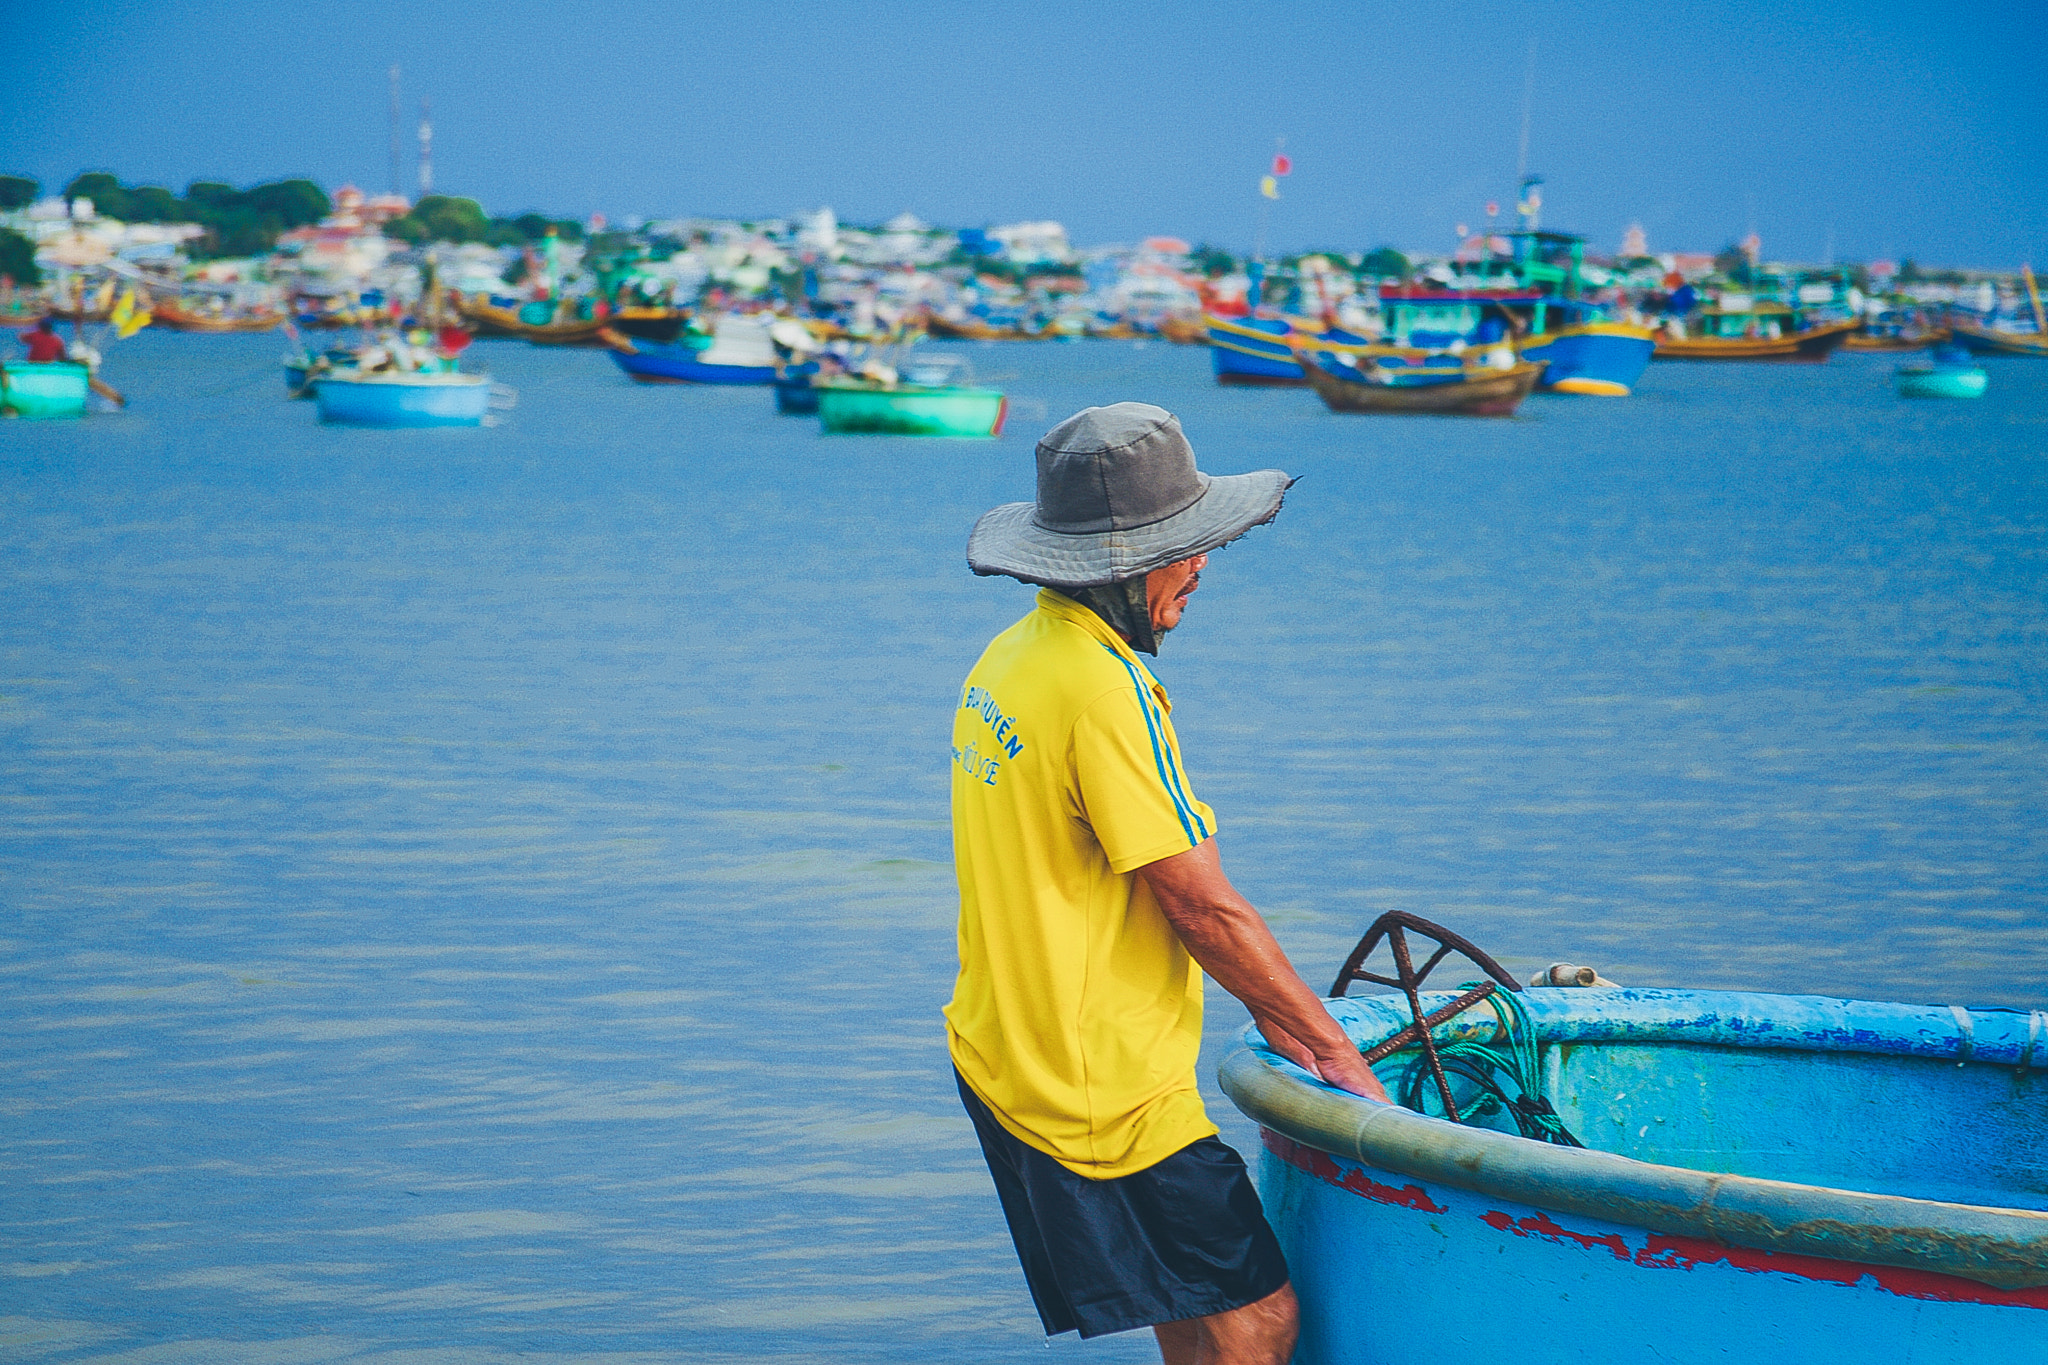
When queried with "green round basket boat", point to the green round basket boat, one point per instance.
{"points": [[54, 388], [854, 407]]}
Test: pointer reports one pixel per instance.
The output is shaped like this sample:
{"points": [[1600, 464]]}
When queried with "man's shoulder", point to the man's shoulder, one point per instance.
{"points": [[1045, 661]]}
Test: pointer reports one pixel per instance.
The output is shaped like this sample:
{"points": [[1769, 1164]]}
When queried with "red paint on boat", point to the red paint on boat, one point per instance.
{"points": [[1661, 1252], [1324, 1167]]}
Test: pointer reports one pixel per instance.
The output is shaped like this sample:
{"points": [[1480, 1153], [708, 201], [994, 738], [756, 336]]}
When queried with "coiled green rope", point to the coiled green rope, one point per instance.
{"points": [[1505, 1073]]}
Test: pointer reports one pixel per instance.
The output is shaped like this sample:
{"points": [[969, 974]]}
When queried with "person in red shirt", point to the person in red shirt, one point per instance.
{"points": [[44, 344]]}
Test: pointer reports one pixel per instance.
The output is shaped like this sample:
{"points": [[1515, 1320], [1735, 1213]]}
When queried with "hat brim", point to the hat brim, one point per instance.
{"points": [[1007, 541]]}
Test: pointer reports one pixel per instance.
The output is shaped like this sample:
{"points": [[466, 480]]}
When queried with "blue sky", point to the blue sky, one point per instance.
{"points": [[1887, 129]]}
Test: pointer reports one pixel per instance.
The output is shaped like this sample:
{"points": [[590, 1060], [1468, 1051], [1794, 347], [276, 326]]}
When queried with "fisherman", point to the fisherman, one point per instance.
{"points": [[1092, 898], [44, 345]]}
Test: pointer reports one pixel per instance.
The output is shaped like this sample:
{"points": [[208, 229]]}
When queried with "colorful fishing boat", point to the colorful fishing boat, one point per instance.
{"points": [[1669, 1175], [545, 327], [1985, 339], [53, 388], [1392, 380], [1254, 351], [402, 399], [1740, 327], [1537, 297], [970, 328], [1184, 331], [851, 405], [1894, 332], [1948, 373], [740, 351], [178, 318]]}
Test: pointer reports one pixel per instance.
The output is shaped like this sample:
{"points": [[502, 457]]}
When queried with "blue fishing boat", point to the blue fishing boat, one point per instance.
{"points": [[402, 399], [1669, 1175], [740, 351], [1537, 296], [1253, 351]]}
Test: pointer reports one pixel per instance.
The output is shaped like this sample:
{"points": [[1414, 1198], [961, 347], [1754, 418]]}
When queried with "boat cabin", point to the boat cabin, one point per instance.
{"points": [[1743, 315]]}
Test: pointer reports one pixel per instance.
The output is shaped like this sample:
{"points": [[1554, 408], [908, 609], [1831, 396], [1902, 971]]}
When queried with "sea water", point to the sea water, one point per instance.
{"points": [[485, 895]]}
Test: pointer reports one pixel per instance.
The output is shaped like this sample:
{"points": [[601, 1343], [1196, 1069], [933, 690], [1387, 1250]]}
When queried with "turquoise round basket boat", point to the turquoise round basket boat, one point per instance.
{"points": [[55, 388], [1769, 1179], [1941, 381], [852, 407]]}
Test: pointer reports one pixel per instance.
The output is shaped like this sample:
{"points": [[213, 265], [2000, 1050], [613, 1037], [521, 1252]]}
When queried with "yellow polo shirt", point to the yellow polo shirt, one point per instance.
{"points": [[1077, 1014]]}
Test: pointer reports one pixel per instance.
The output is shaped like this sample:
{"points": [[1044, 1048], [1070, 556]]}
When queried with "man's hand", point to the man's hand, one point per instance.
{"points": [[1228, 937]]}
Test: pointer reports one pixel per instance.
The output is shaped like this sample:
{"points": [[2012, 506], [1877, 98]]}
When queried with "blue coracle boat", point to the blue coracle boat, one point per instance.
{"points": [[386, 399], [1253, 351], [1770, 1179]]}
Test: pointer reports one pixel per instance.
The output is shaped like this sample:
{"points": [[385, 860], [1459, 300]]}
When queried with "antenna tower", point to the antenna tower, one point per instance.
{"points": [[397, 186], [426, 148]]}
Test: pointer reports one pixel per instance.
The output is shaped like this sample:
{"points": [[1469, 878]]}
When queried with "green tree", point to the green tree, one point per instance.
{"points": [[109, 200], [441, 218], [1384, 263], [212, 195], [296, 203], [154, 204], [17, 192], [18, 258], [1211, 261]]}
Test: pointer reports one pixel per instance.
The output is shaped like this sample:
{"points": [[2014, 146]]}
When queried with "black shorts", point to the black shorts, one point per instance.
{"points": [[1183, 1239]]}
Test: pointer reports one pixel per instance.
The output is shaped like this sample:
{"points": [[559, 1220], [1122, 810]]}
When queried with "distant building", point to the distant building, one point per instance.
{"points": [[819, 233], [1034, 243], [1635, 242]]}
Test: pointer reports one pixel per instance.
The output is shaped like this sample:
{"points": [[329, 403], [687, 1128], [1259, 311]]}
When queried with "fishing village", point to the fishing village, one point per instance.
{"points": [[379, 298], [588, 757]]}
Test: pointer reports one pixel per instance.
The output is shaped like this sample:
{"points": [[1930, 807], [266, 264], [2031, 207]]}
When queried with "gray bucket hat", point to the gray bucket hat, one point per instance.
{"points": [[1119, 496]]}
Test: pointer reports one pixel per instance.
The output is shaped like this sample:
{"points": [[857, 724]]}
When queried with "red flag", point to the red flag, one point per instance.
{"points": [[1281, 165]]}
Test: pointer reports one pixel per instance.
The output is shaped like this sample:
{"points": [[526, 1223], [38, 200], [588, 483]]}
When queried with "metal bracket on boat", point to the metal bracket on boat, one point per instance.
{"points": [[1394, 927]]}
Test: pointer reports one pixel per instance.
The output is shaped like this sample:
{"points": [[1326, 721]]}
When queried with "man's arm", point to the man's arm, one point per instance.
{"points": [[1229, 938]]}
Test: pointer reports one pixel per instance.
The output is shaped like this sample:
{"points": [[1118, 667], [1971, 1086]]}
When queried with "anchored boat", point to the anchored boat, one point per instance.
{"points": [[740, 351], [1741, 327], [1948, 373], [1254, 351], [401, 399], [1668, 1175], [850, 405], [1389, 380], [52, 388]]}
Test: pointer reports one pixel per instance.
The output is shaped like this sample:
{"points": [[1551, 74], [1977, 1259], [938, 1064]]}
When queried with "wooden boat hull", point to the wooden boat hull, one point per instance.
{"points": [[178, 320], [1941, 381], [52, 388], [1858, 1185], [491, 321], [1600, 359], [848, 409], [1894, 343], [405, 400], [652, 363], [1253, 351], [1480, 392], [1811, 346], [662, 325], [970, 329], [1185, 331], [1994, 341]]}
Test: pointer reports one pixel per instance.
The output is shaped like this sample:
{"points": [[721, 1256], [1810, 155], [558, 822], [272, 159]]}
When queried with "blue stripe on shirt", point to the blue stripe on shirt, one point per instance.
{"points": [[1161, 758]]}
